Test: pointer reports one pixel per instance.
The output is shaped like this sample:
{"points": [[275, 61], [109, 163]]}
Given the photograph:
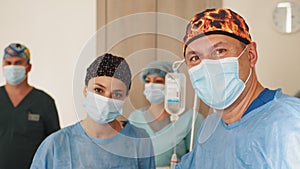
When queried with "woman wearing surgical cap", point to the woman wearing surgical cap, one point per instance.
{"points": [[99, 141], [155, 119]]}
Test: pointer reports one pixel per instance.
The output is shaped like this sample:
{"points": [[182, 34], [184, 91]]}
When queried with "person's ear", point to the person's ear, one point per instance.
{"points": [[85, 91], [253, 56], [28, 68]]}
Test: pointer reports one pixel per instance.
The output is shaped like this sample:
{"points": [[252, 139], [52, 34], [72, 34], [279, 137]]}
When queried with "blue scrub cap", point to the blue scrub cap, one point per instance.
{"points": [[159, 68], [17, 50]]}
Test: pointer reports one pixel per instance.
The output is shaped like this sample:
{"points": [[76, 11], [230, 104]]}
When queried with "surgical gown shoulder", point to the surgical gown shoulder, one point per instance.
{"points": [[267, 137], [72, 148]]}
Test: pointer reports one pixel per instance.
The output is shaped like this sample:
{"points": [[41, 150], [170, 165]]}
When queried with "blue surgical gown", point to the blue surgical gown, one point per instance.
{"points": [[72, 148], [268, 137]]}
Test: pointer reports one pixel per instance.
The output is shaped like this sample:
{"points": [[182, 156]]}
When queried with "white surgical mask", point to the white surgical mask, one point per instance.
{"points": [[102, 109], [14, 74], [217, 82], [155, 93]]}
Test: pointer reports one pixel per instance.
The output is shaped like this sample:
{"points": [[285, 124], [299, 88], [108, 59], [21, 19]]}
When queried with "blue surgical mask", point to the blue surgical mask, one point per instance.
{"points": [[217, 82], [14, 74], [155, 93], [102, 109]]}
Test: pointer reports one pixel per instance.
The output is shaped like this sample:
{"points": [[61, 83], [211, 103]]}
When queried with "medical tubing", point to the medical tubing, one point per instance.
{"points": [[174, 136], [193, 121], [173, 160]]}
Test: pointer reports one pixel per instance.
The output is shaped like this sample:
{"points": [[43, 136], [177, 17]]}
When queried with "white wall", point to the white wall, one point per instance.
{"points": [[55, 31], [279, 57]]}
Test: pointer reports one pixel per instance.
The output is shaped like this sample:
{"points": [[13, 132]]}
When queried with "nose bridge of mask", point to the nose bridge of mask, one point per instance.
{"points": [[15, 67], [113, 104], [150, 87], [215, 72], [154, 85], [218, 67], [15, 70]]}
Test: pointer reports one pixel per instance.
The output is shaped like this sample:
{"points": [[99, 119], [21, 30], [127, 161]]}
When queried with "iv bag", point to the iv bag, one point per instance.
{"points": [[175, 88]]}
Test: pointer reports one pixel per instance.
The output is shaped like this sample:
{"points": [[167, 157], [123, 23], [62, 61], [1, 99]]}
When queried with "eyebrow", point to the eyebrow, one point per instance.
{"points": [[156, 77], [100, 85], [217, 44], [13, 61], [212, 47], [190, 52], [118, 90], [18, 61], [5, 61]]}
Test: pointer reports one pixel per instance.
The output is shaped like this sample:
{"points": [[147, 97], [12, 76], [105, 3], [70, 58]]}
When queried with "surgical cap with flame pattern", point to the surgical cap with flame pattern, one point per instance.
{"points": [[216, 21]]}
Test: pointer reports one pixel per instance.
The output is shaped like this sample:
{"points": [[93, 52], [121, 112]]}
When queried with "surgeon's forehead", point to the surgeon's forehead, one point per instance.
{"points": [[14, 59], [210, 42]]}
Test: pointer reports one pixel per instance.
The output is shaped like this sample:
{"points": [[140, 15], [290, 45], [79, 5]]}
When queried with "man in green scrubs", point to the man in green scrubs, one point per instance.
{"points": [[27, 115]]}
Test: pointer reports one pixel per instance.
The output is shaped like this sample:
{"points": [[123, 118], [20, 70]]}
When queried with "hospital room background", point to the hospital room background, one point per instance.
{"points": [[62, 35]]}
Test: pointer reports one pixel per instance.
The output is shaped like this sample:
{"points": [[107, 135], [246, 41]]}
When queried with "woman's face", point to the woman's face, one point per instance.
{"points": [[155, 79], [108, 87]]}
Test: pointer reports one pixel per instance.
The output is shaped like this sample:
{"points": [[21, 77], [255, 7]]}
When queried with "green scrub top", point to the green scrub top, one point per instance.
{"points": [[163, 140], [24, 127]]}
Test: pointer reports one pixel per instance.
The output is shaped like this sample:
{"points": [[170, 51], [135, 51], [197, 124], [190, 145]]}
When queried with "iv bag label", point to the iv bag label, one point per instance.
{"points": [[173, 92]]}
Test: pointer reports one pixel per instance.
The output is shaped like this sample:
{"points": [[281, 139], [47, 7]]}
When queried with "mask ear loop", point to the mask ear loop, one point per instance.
{"points": [[177, 64], [249, 76], [242, 52], [250, 68]]}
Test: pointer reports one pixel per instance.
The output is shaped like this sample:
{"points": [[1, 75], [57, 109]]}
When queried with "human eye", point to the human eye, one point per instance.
{"points": [[7, 63], [98, 90], [19, 62], [117, 95], [194, 60], [218, 53], [159, 80]]}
